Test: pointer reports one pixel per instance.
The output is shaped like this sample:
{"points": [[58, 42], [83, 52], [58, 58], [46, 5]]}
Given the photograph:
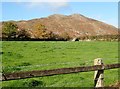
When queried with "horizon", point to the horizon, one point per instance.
{"points": [[106, 12]]}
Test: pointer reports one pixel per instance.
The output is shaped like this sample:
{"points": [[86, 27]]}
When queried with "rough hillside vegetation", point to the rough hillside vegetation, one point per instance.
{"points": [[59, 27]]}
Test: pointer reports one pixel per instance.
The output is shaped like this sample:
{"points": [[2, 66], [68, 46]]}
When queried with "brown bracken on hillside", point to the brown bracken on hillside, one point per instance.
{"points": [[75, 25]]}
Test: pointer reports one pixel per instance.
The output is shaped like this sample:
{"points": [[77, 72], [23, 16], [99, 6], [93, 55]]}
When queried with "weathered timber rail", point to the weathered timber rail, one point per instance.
{"points": [[41, 73]]}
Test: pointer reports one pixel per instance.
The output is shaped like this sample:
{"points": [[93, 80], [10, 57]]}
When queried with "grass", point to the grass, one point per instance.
{"points": [[26, 56]]}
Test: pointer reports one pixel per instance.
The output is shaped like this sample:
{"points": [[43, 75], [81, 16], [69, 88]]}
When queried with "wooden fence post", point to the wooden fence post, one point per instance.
{"points": [[99, 74]]}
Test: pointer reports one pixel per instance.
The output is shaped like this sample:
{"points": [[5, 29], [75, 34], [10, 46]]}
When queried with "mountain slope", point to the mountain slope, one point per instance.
{"points": [[74, 25]]}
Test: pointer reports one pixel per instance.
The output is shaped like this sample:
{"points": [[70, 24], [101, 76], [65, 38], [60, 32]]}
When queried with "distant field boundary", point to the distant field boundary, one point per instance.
{"points": [[98, 67], [114, 37]]}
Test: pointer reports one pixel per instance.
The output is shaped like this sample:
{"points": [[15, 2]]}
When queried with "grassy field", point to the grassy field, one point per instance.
{"points": [[26, 56]]}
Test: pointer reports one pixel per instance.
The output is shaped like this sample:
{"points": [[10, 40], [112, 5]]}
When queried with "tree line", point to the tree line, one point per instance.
{"points": [[101, 37]]}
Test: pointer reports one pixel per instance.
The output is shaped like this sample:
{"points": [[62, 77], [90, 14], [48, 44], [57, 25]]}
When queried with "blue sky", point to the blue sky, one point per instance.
{"points": [[103, 11]]}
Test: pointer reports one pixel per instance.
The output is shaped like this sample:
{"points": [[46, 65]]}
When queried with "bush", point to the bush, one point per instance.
{"points": [[23, 34], [9, 30]]}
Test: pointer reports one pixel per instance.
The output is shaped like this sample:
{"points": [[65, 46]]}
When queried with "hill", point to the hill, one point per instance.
{"points": [[74, 26]]}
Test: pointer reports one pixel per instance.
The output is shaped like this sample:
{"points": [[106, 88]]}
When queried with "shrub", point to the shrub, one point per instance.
{"points": [[9, 30], [23, 34]]}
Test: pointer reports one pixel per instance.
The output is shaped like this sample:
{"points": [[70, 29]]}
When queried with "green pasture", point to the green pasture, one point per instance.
{"points": [[43, 55]]}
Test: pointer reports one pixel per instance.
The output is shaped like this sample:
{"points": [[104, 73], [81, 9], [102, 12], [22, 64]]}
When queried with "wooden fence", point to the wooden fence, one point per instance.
{"points": [[98, 67]]}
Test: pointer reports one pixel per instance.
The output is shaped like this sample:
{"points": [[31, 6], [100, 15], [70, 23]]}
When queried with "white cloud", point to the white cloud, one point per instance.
{"points": [[35, 0], [58, 4], [52, 5], [60, 0], [55, 6]]}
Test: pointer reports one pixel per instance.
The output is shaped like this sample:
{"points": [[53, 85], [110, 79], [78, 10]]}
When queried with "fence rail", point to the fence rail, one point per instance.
{"points": [[41, 73]]}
